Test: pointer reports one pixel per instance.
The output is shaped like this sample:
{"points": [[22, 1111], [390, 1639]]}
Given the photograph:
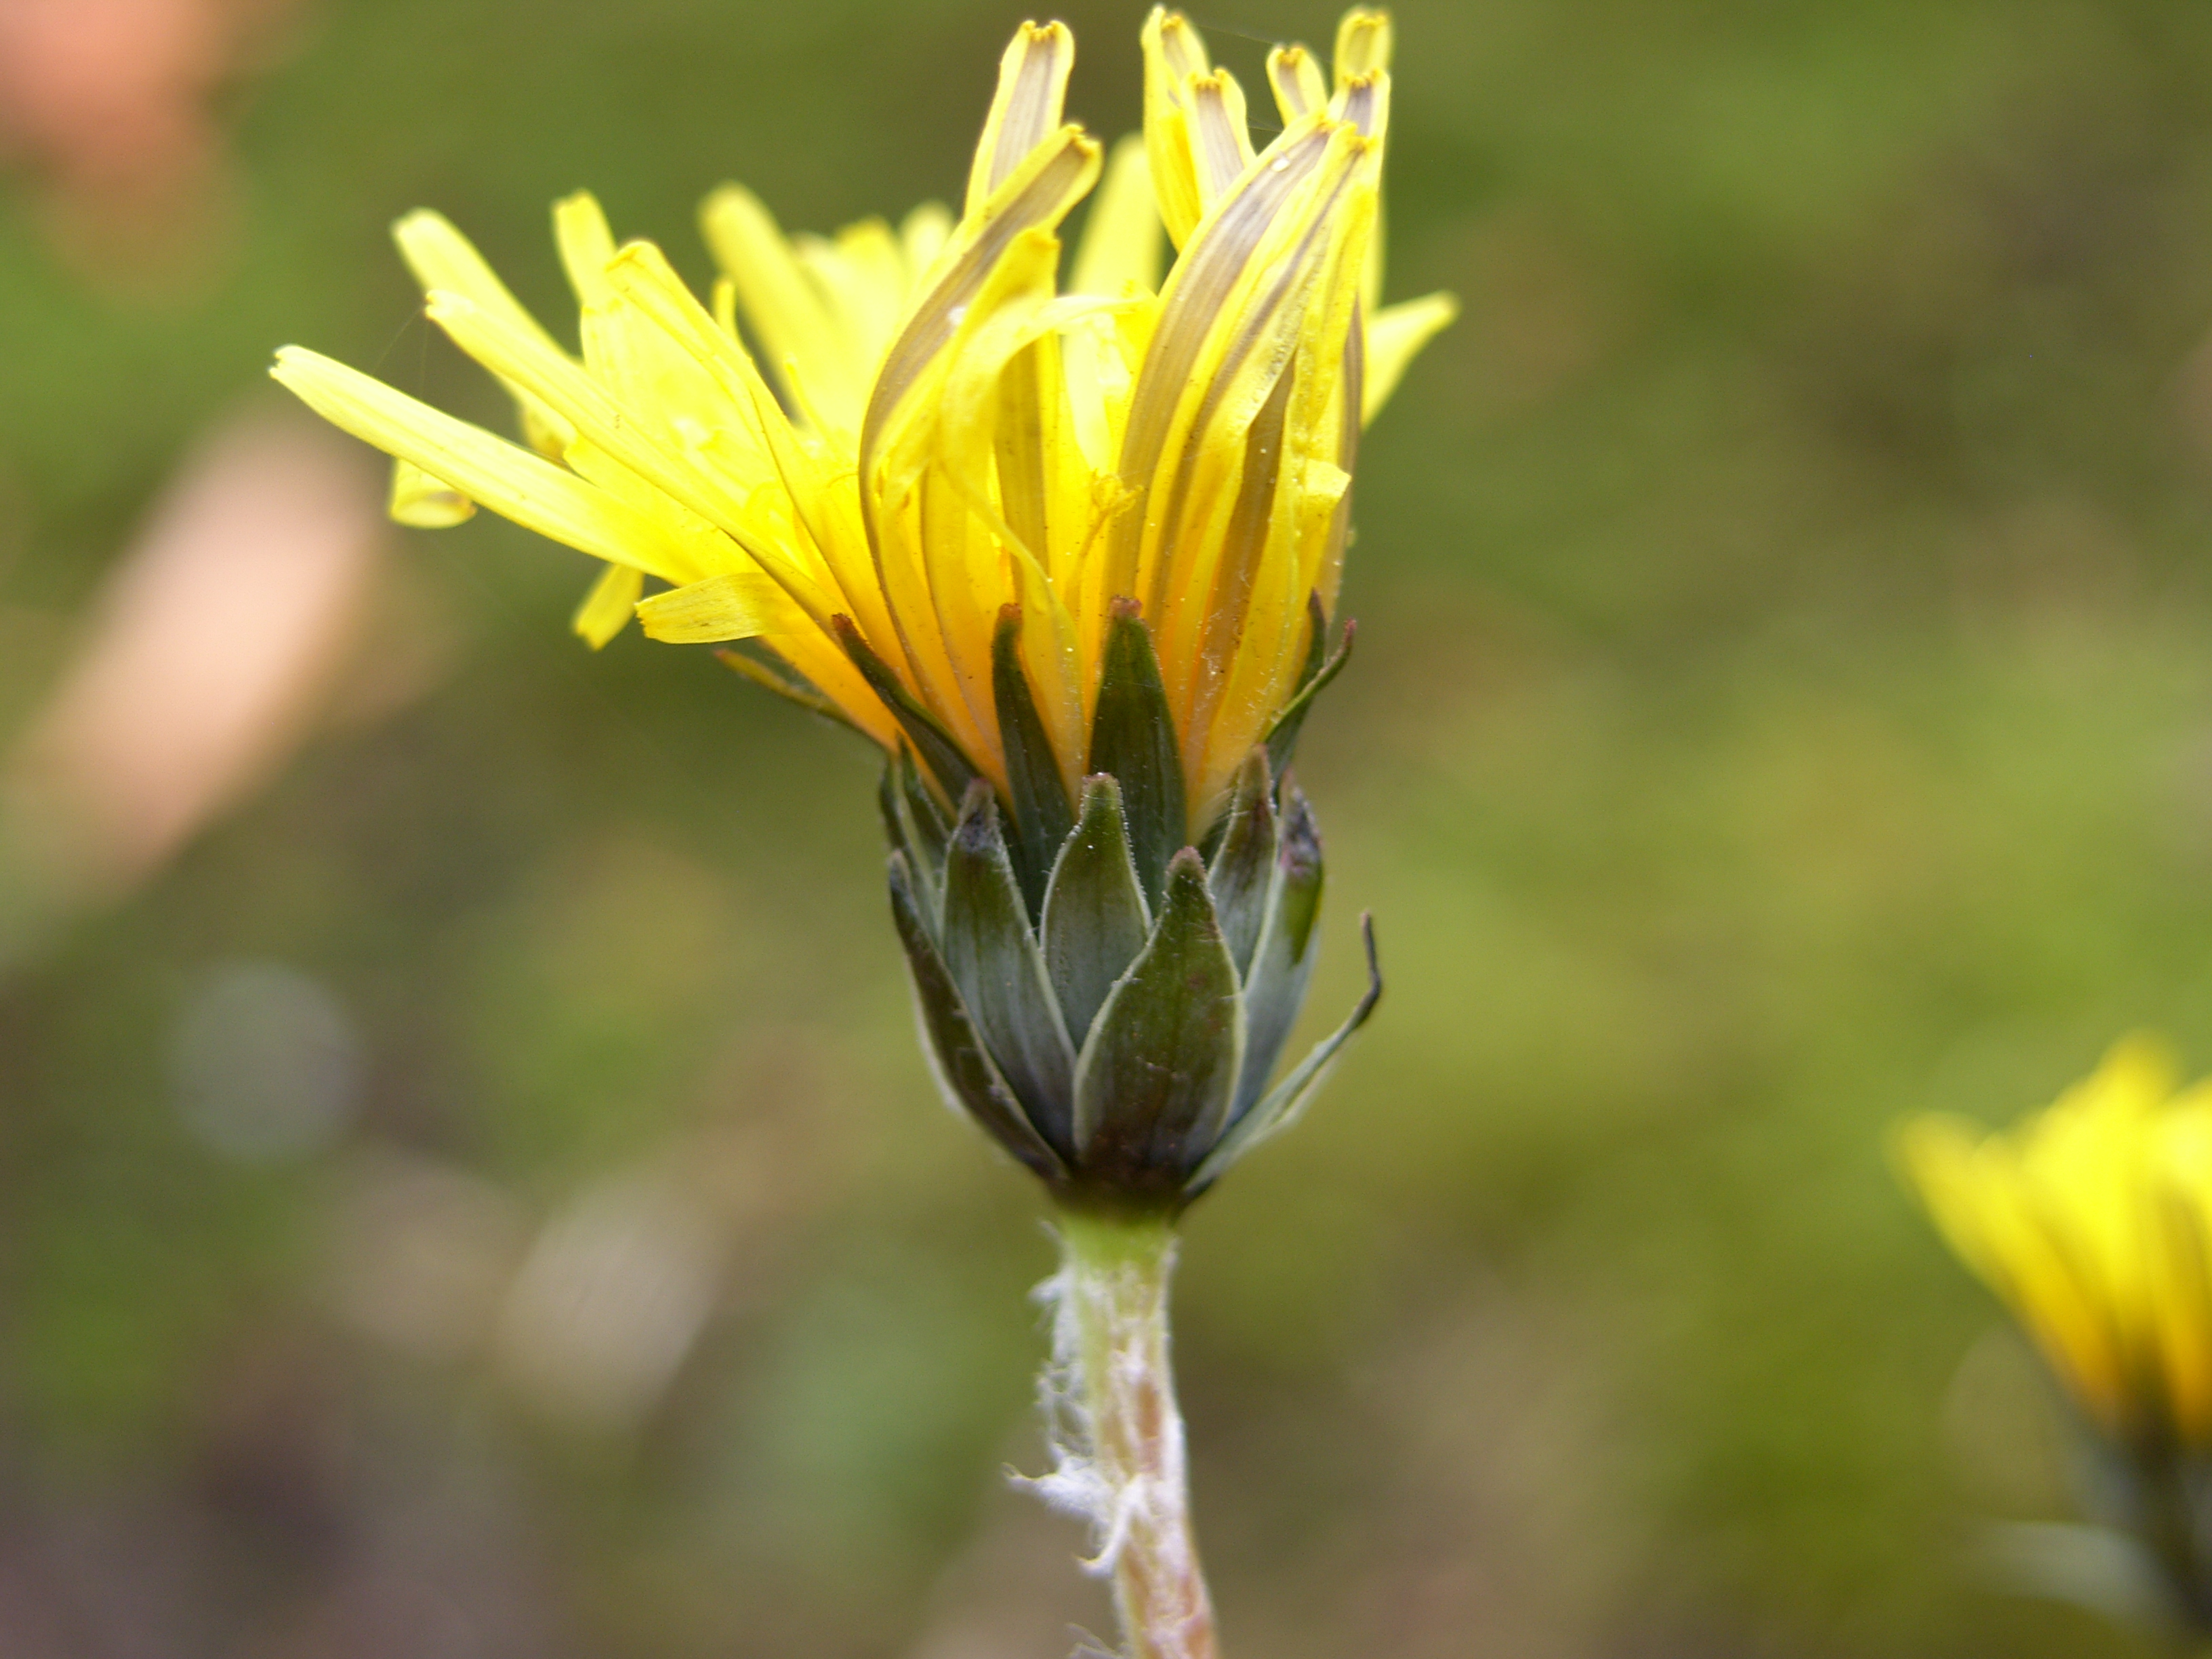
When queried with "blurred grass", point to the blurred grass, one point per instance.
{"points": [[1782, 704]]}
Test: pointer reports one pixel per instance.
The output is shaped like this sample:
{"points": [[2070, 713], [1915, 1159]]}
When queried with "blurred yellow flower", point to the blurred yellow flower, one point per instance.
{"points": [[2093, 1221], [939, 466]]}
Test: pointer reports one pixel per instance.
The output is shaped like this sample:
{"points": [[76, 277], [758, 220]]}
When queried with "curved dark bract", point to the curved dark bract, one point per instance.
{"points": [[1116, 1035]]}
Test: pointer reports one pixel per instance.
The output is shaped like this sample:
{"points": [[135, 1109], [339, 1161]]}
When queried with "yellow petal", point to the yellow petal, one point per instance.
{"points": [[2182, 1293], [997, 414], [1038, 194], [1281, 539], [1203, 285], [1119, 254], [606, 609], [1209, 638], [1121, 245], [674, 396], [808, 355], [441, 257], [1297, 79], [1971, 1187], [821, 661], [1228, 318], [1174, 53], [948, 434], [643, 279], [580, 229], [2137, 1074], [922, 235], [1263, 398], [1365, 102], [425, 502], [862, 275], [920, 526], [615, 428], [1395, 335], [1221, 134], [696, 548], [1363, 44], [1937, 1152], [1025, 110], [736, 605], [504, 477]]}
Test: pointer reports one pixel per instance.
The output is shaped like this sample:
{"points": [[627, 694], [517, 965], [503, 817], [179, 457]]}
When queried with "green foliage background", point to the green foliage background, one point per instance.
{"points": [[1784, 703]]}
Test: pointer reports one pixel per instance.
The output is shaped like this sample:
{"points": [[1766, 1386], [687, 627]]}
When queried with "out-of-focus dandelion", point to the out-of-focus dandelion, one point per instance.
{"points": [[2091, 1221], [1071, 558]]}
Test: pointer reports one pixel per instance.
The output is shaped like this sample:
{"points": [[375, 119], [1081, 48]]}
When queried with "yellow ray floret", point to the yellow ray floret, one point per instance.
{"points": [[2093, 1221], [919, 435]]}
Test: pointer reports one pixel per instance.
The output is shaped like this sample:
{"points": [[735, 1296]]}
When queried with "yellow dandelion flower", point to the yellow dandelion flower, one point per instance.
{"points": [[1069, 553], [2093, 1222], [925, 430]]}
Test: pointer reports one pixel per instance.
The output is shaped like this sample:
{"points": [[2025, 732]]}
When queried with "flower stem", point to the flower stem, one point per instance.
{"points": [[1110, 1408]]}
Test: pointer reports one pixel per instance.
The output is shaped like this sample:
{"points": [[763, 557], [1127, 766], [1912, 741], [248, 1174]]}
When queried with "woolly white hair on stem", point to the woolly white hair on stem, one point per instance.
{"points": [[1108, 1399], [1074, 1485]]}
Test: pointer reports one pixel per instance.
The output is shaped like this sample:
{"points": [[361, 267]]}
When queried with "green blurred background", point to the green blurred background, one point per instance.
{"points": [[1783, 703]]}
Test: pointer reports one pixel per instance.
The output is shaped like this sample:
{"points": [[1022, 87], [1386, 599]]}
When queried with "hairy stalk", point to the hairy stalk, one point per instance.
{"points": [[1116, 1433]]}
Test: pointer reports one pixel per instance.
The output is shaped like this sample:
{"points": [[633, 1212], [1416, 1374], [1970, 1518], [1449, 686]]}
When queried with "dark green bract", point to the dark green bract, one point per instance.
{"points": [[1108, 1000]]}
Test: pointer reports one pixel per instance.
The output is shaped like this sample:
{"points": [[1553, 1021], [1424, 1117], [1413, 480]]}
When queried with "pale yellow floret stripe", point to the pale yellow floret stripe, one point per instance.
{"points": [[2091, 1221], [1175, 55], [1197, 304], [1032, 87], [945, 430], [1364, 41], [1297, 79], [1363, 45], [1220, 134]]}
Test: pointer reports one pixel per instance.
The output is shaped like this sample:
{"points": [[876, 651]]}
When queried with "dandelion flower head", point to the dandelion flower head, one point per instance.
{"points": [[2091, 1221], [909, 461]]}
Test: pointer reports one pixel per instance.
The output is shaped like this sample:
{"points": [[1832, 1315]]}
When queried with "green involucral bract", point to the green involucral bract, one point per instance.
{"points": [[1106, 1001]]}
